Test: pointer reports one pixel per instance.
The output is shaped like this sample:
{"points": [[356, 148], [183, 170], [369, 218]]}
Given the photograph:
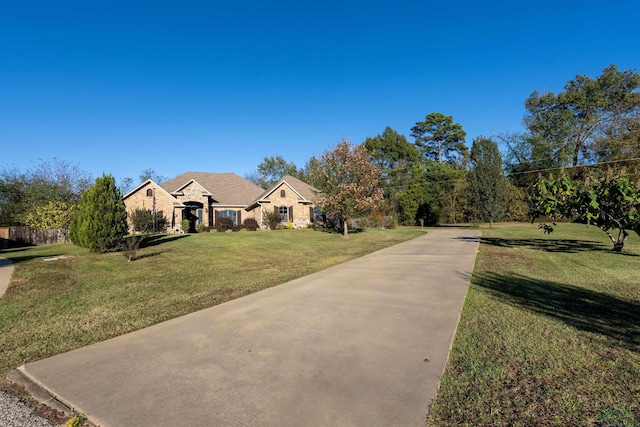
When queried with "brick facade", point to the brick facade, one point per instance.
{"points": [[143, 197], [185, 197]]}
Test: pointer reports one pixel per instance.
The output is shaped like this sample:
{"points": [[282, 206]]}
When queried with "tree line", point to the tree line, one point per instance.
{"points": [[589, 132], [579, 151]]}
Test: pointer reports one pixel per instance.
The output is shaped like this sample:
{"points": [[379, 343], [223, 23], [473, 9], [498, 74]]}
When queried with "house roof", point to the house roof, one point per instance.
{"points": [[305, 191], [308, 192], [225, 188], [151, 182], [179, 191]]}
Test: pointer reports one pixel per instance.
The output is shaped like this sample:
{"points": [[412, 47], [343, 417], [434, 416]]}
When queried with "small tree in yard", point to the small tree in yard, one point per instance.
{"points": [[348, 181], [610, 203], [100, 219]]}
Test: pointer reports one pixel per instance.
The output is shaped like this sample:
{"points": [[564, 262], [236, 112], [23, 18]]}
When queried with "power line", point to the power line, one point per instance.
{"points": [[407, 186], [572, 167]]}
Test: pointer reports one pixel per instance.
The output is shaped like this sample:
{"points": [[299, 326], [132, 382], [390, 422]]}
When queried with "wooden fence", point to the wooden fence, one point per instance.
{"points": [[24, 235]]}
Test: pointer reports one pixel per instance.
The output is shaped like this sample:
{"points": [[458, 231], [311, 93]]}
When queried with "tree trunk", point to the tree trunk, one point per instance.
{"points": [[345, 228], [618, 243]]}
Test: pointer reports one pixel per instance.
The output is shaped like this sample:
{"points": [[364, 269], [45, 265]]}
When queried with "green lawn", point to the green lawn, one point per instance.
{"points": [[549, 333], [81, 298]]}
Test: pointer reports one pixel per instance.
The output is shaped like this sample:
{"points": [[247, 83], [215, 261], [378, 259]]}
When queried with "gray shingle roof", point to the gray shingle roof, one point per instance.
{"points": [[226, 188], [305, 190]]}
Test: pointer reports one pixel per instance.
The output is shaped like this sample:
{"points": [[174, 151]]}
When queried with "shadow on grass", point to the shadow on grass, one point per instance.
{"points": [[158, 239], [334, 230], [550, 245], [9, 254], [617, 320], [147, 255], [470, 239]]}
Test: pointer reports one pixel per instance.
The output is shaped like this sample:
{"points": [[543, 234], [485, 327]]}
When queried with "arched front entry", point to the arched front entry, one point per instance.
{"points": [[193, 212]]}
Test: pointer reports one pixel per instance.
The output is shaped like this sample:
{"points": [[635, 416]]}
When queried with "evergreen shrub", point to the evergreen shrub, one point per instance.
{"points": [[250, 224]]}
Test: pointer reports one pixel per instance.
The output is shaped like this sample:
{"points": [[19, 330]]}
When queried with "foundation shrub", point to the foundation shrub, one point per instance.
{"points": [[224, 223], [143, 221], [272, 219], [250, 224]]}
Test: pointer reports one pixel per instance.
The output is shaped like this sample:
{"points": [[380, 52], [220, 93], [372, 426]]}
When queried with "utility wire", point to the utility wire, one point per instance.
{"points": [[572, 167], [407, 186]]}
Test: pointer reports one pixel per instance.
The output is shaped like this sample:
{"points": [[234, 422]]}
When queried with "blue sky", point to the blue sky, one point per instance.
{"points": [[123, 86]]}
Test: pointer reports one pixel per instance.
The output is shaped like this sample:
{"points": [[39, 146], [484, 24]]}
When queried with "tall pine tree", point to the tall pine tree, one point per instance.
{"points": [[100, 219], [487, 181]]}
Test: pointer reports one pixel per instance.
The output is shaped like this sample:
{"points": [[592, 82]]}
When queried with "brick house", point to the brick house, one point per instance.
{"points": [[202, 198]]}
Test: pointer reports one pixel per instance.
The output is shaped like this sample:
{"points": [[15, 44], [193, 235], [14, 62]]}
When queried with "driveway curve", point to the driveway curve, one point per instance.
{"points": [[360, 344]]}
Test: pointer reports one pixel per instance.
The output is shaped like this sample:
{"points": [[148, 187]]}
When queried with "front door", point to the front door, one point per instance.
{"points": [[192, 213]]}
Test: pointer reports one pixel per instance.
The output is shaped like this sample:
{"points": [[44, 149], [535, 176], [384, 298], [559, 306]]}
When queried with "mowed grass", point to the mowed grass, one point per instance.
{"points": [[53, 306], [549, 333]]}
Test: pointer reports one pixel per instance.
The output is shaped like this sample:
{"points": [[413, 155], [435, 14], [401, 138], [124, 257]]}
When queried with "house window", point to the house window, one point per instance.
{"points": [[316, 214], [231, 214], [282, 193], [284, 213], [149, 192]]}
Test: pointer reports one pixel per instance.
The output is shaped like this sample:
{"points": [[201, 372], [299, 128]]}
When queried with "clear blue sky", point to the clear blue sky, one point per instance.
{"points": [[120, 86]]}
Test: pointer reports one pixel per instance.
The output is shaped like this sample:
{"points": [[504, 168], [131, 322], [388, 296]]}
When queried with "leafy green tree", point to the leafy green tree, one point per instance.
{"points": [[486, 181], [273, 169], [439, 138], [517, 203], [612, 202], [100, 219], [395, 157], [390, 151], [51, 216], [413, 196], [349, 182], [50, 181], [622, 146], [580, 123], [13, 197], [437, 193], [446, 193]]}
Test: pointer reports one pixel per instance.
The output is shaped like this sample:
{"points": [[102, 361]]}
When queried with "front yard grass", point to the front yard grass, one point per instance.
{"points": [[53, 306], [549, 333]]}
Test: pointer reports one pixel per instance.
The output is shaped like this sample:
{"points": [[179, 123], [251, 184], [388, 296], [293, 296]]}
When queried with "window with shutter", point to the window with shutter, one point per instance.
{"points": [[283, 211], [231, 214]]}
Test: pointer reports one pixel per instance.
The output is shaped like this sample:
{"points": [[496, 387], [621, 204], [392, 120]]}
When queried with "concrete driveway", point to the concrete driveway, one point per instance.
{"points": [[6, 270], [360, 344]]}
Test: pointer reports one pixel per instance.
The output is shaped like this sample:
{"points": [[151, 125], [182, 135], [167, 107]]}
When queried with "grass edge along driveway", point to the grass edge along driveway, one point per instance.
{"points": [[62, 297], [549, 334]]}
